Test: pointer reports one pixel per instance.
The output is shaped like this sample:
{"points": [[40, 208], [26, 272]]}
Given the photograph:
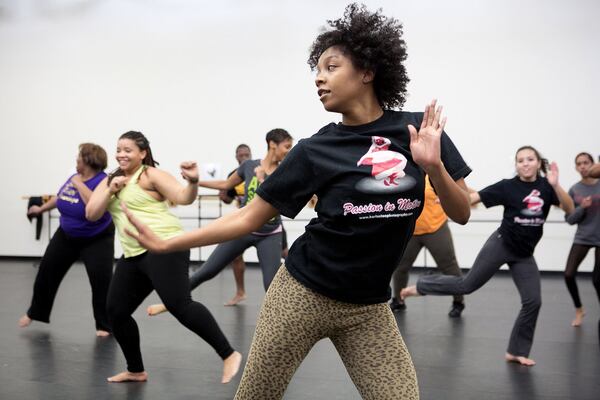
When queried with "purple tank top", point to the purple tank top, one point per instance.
{"points": [[72, 210]]}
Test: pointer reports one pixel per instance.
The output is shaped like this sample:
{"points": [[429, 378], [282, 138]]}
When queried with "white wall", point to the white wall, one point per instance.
{"points": [[200, 77]]}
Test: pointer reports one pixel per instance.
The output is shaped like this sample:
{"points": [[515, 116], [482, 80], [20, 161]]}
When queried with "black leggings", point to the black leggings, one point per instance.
{"points": [[576, 256], [134, 279], [97, 253]]}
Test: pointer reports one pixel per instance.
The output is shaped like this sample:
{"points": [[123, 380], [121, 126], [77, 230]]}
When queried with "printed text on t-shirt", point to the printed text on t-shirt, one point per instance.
{"points": [[401, 205]]}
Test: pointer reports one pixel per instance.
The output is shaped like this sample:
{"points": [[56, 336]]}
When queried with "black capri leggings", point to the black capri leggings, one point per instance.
{"points": [[576, 256], [134, 279]]}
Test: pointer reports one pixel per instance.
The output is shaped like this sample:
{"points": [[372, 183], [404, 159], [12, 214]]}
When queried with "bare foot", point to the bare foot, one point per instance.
{"points": [[156, 309], [231, 366], [409, 291], [102, 333], [579, 313], [129, 377], [24, 321], [519, 359], [238, 298]]}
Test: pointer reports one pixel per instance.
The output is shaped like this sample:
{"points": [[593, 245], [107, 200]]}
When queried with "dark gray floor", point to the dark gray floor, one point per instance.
{"points": [[455, 359]]}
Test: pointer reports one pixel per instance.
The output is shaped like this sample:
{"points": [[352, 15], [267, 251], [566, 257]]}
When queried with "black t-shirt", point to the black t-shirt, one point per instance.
{"points": [[526, 206], [251, 183], [370, 194]]}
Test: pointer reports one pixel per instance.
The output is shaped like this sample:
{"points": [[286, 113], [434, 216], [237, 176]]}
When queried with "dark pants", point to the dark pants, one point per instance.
{"points": [[441, 247], [97, 253], [134, 279], [490, 258], [576, 256], [268, 249]]}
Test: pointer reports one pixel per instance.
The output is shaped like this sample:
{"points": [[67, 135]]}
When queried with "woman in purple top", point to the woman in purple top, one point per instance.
{"points": [[76, 238]]}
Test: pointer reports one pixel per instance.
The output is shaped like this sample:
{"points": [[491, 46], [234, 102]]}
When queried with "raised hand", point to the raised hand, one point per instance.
{"points": [[144, 235], [586, 202], [76, 179], [189, 171], [425, 144], [259, 171], [552, 174], [117, 183]]}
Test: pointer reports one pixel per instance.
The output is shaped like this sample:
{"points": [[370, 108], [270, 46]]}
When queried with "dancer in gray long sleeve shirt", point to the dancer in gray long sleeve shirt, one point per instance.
{"points": [[586, 195]]}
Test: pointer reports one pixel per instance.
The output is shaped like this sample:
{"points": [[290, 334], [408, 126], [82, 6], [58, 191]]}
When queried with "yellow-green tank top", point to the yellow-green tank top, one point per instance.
{"points": [[150, 211]]}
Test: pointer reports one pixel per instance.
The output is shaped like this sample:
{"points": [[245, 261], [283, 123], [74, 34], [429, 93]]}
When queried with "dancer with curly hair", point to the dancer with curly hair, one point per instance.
{"points": [[368, 173]]}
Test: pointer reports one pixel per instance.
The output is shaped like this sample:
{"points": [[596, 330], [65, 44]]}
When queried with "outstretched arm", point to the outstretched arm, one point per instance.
{"points": [[232, 181], [240, 222], [425, 148], [34, 211]]}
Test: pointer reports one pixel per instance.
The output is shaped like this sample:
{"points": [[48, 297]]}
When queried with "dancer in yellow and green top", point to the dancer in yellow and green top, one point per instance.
{"points": [[145, 190]]}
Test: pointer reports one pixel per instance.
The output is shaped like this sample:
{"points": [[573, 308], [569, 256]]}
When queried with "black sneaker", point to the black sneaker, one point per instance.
{"points": [[397, 305], [456, 309]]}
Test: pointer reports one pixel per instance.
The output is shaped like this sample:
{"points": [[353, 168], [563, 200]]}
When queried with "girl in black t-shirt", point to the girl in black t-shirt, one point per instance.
{"points": [[368, 173], [526, 199]]}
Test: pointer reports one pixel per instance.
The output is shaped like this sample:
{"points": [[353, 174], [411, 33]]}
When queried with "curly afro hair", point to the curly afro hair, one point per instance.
{"points": [[373, 42]]}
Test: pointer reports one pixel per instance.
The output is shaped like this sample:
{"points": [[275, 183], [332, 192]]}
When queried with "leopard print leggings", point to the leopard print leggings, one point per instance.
{"points": [[293, 318]]}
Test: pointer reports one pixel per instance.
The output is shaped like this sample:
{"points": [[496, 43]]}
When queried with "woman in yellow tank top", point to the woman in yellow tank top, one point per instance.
{"points": [[145, 190]]}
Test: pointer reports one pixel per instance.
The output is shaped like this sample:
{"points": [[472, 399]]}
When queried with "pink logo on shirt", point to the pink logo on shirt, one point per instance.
{"points": [[534, 203], [388, 166]]}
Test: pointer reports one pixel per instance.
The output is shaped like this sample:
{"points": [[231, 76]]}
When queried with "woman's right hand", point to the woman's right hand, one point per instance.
{"points": [[117, 183], [585, 203], [34, 211]]}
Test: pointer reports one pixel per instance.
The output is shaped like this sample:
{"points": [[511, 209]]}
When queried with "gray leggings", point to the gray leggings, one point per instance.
{"points": [[491, 257], [441, 247], [268, 249]]}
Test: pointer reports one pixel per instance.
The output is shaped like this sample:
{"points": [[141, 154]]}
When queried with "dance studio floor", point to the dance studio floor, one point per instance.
{"points": [[455, 359]]}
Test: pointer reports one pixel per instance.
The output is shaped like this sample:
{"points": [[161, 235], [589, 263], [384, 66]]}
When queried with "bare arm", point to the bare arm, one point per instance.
{"points": [[84, 192], [595, 171], [167, 185], [425, 148], [453, 195], [98, 202], [228, 227], [232, 181], [474, 197], [566, 202], [34, 211]]}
